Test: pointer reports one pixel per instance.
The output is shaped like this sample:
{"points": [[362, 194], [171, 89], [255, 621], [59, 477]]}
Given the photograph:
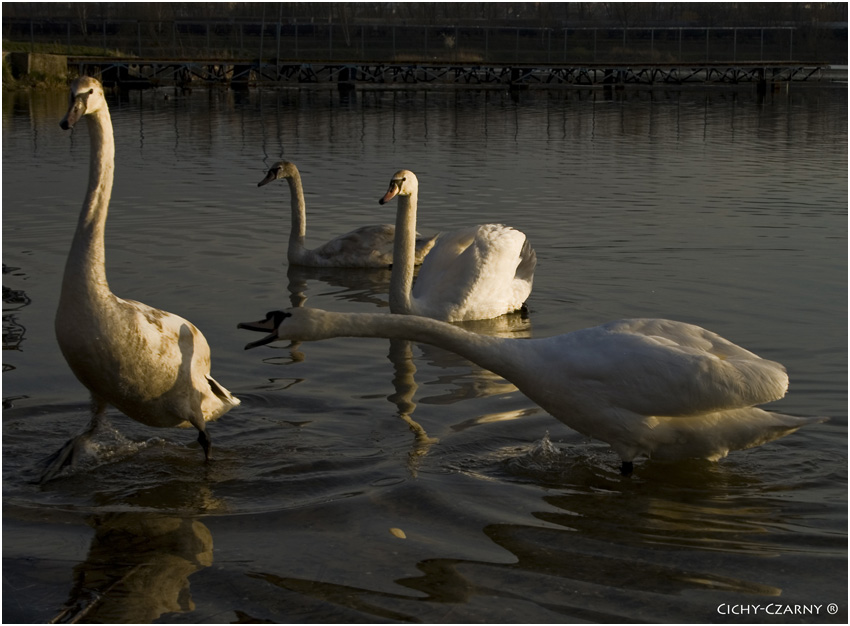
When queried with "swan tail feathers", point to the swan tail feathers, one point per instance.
{"points": [[226, 400], [524, 277], [527, 263]]}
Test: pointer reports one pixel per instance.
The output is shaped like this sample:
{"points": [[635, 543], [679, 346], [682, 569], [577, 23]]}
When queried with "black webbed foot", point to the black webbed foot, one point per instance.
{"points": [[66, 456]]}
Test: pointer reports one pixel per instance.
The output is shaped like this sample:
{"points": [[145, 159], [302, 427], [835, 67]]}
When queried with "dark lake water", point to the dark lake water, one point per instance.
{"points": [[709, 206]]}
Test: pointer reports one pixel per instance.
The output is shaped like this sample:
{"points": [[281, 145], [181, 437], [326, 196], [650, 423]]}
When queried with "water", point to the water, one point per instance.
{"points": [[323, 504]]}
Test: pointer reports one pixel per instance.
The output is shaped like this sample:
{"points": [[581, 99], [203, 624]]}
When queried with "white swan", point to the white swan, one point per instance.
{"points": [[471, 274], [659, 388], [367, 246], [151, 365]]}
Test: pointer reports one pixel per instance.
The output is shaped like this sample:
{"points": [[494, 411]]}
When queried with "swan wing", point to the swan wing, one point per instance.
{"points": [[166, 342], [666, 368], [476, 273], [367, 246], [424, 245], [156, 368]]}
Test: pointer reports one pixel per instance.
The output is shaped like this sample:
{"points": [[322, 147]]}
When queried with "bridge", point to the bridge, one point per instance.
{"points": [[144, 73]]}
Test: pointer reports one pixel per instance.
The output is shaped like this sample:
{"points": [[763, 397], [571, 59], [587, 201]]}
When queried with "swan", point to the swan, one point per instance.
{"points": [[647, 387], [470, 274], [367, 246], [152, 365]]}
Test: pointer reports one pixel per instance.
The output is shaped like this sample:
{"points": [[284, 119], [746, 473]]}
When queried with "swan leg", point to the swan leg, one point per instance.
{"points": [[627, 468], [206, 443], [75, 448]]}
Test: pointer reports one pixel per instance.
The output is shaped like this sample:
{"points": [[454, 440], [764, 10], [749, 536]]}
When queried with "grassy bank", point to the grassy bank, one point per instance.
{"points": [[39, 78], [62, 49]]}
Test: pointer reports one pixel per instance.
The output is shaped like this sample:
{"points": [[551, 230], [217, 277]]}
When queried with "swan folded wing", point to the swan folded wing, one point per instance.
{"points": [[423, 247], [157, 339], [475, 269], [168, 374], [367, 246], [448, 247], [505, 257], [681, 373], [364, 246], [527, 264], [681, 334]]}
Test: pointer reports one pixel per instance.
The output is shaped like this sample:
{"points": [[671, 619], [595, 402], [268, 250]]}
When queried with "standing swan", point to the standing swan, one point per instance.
{"points": [[653, 387], [471, 274], [151, 365], [367, 246]]}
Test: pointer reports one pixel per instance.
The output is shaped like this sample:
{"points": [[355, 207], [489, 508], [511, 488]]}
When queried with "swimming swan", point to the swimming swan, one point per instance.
{"points": [[367, 246], [471, 274], [659, 388], [151, 365]]}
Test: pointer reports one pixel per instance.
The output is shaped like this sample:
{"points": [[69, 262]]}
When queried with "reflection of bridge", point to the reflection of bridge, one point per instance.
{"points": [[140, 73]]}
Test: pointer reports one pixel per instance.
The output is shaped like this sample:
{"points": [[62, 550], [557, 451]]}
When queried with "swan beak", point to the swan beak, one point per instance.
{"points": [[261, 342], [272, 175], [392, 192], [263, 326], [271, 323], [76, 111]]}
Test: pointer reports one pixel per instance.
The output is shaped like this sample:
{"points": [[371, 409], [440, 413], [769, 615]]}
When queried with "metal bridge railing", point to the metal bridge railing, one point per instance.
{"points": [[291, 40]]}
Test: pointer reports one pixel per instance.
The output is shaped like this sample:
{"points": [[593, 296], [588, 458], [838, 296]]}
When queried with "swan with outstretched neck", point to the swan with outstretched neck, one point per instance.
{"points": [[647, 387], [151, 365], [367, 246], [476, 273]]}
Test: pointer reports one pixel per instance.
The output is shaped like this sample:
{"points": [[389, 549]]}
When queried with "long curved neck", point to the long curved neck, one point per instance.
{"points": [[85, 269], [404, 251], [298, 229], [492, 353]]}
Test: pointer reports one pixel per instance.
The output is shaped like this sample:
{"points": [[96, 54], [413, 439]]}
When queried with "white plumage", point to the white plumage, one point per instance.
{"points": [[152, 365], [470, 274], [367, 246], [647, 387]]}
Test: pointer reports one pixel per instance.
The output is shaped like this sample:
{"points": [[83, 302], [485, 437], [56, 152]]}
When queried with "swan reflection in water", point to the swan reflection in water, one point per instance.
{"points": [[682, 550], [370, 286], [401, 356], [363, 285], [139, 562], [14, 301], [137, 568]]}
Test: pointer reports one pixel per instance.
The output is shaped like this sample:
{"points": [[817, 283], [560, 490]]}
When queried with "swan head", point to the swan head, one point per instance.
{"points": [[297, 323], [403, 183], [86, 97], [281, 169]]}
